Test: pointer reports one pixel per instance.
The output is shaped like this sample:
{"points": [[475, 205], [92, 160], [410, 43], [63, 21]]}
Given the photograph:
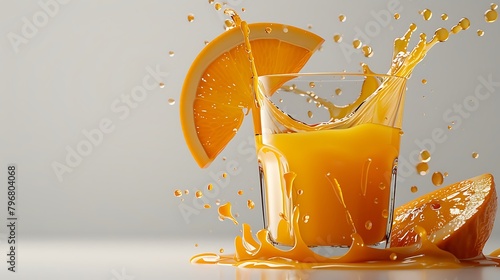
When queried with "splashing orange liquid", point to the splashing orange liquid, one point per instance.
{"points": [[225, 212], [261, 253]]}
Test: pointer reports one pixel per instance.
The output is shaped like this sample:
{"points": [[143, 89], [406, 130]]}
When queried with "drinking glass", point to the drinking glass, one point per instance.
{"points": [[327, 146]]}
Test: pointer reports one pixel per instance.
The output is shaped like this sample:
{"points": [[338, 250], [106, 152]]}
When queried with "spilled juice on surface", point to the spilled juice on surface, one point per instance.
{"points": [[291, 228]]}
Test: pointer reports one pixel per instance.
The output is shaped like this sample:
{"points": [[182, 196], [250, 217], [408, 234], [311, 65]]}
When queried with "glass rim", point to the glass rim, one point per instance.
{"points": [[326, 74]]}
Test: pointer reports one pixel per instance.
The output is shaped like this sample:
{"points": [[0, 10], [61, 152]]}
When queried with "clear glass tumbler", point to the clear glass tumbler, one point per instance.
{"points": [[327, 146]]}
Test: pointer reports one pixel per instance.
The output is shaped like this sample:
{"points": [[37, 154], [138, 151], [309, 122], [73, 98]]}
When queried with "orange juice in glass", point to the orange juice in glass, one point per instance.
{"points": [[327, 146]]}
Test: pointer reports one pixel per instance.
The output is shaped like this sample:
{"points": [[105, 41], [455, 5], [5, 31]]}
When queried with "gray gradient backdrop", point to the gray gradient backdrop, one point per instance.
{"points": [[76, 66]]}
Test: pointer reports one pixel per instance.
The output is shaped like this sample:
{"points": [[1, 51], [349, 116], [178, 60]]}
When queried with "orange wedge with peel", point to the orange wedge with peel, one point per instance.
{"points": [[217, 91], [458, 218]]}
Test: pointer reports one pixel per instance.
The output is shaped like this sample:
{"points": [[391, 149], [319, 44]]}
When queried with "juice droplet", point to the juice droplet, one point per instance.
{"points": [[437, 179], [206, 42], [381, 186], [480, 32], [368, 225], [198, 194], [475, 155], [425, 156], [300, 192], [217, 202], [207, 206], [493, 6], [337, 38], [196, 245], [491, 15], [464, 23], [218, 6], [224, 175], [240, 192], [178, 193], [424, 81], [393, 256], [455, 29], [435, 206], [171, 101], [367, 51], [309, 26], [210, 187], [221, 250], [414, 189], [445, 174], [357, 44], [285, 29], [250, 204], [243, 9], [397, 16], [342, 18], [427, 14], [309, 114], [444, 16], [225, 212], [229, 24], [422, 168], [171, 53], [442, 34], [190, 17], [338, 91], [312, 84], [385, 213], [305, 219], [186, 192], [211, 1], [162, 85], [268, 30]]}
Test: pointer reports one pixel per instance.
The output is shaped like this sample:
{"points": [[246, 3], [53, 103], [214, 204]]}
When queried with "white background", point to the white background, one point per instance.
{"points": [[69, 66]]}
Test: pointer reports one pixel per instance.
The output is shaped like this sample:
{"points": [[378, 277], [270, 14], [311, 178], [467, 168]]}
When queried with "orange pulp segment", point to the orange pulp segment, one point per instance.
{"points": [[457, 218], [217, 91]]}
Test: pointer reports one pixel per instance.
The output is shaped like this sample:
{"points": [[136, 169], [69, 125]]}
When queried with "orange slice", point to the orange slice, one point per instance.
{"points": [[217, 91], [458, 218]]}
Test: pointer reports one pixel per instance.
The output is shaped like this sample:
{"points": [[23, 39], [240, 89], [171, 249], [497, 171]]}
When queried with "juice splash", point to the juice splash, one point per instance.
{"points": [[225, 212], [262, 253], [455, 206], [377, 102]]}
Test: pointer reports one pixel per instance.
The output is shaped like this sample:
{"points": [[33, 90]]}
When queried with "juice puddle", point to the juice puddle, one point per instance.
{"points": [[261, 253]]}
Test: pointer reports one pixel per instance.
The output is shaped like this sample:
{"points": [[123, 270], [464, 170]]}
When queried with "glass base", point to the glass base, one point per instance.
{"points": [[329, 251]]}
